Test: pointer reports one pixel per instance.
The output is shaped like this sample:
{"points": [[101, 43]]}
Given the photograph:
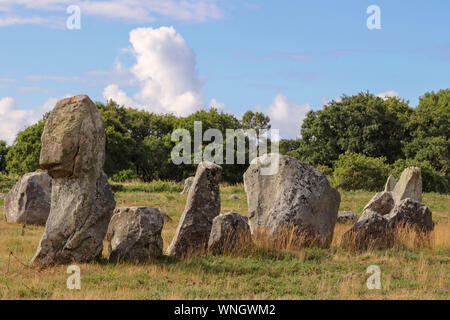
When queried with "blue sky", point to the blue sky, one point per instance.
{"points": [[280, 57]]}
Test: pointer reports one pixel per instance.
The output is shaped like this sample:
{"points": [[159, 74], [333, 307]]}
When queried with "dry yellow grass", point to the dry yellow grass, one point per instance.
{"points": [[408, 271]]}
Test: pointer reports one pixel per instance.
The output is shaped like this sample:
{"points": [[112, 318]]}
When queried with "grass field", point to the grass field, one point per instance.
{"points": [[406, 272]]}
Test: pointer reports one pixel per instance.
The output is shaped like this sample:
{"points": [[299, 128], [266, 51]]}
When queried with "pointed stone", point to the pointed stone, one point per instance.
{"points": [[409, 185], [390, 183], [202, 206]]}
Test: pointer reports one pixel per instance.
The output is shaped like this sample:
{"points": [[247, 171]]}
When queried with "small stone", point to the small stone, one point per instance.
{"points": [[230, 232], [347, 216]]}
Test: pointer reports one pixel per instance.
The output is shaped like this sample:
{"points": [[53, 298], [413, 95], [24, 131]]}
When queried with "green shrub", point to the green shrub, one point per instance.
{"points": [[325, 170], [124, 175], [353, 171], [7, 182], [432, 180]]}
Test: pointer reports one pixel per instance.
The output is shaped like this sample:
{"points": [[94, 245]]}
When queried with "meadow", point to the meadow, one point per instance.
{"points": [[408, 271]]}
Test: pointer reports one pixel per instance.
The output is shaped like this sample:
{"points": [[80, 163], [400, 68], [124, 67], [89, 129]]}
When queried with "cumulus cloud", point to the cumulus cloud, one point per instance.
{"points": [[388, 94], [165, 71], [13, 119], [287, 116], [112, 92], [216, 104]]}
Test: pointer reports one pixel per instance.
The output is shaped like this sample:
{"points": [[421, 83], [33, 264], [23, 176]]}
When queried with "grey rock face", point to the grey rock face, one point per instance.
{"points": [[297, 196], [28, 202], [382, 203], [230, 232], [409, 185], [82, 203], [390, 183], [187, 185], [234, 197], [347, 216], [134, 233], [372, 232], [202, 206], [411, 214]]}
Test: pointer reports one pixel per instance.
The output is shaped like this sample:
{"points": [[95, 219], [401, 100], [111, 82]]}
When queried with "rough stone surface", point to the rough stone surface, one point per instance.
{"points": [[202, 206], [411, 214], [230, 232], [347, 216], [409, 185], [28, 202], [187, 185], [134, 233], [233, 197], [382, 203], [372, 232], [82, 203], [295, 196], [390, 183]]}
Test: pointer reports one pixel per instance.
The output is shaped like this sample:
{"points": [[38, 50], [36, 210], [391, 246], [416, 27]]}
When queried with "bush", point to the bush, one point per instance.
{"points": [[7, 182], [124, 175], [154, 186], [353, 171], [432, 180]]}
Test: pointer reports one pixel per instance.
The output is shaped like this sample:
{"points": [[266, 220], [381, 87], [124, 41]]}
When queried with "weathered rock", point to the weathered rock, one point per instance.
{"points": [[346, 216], [82, 203], [372, 232], [233, 197], [382, 203], [187, 185], [134, 233], [202, 206], [230, 232], [28, 202], [409, 185], [411, 214], [390, 183], [295, 196]]}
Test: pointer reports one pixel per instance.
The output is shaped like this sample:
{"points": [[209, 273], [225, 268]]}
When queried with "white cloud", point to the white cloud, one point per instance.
{"points": [[119, 96], [388, 94], [53, 22], [216, 104], [13, 119], [287, 116], [165, 72]]}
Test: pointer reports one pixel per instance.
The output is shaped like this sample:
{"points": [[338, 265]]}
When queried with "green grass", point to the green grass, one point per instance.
{"points": [[310, 273]]}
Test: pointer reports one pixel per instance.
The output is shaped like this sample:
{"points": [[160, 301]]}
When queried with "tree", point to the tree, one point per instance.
{"points": [[3, 152], [257, 121], [362, 123], [430, 129], [23, 155]]}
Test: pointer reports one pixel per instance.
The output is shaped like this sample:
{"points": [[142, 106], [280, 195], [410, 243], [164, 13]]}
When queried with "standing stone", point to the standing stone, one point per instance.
{"points": [[134, 233], [411, 214], [295, 196], [390, 183], [28, 202], [202, 206], [187, 185], [230, 232], [382, 203], [372, 232], [82, 203], [409, 185], [346, 216], [163, 214]]}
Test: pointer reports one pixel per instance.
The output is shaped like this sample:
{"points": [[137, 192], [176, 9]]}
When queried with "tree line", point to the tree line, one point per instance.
{"points": [[357, 141]]}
